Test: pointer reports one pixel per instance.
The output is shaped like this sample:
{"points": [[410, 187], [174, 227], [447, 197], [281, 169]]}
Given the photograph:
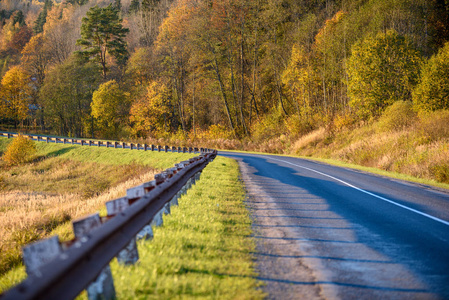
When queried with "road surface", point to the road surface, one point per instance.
{"points": [[325, 232]]}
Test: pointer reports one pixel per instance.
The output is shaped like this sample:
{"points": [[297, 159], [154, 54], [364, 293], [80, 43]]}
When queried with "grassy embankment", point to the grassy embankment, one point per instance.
{"points": [[414, 148], [63, 183], [203, 250]]}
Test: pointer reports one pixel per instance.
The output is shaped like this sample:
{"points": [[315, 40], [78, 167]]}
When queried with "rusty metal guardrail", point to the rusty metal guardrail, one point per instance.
{"points": [[109, 144], [62, 270]]}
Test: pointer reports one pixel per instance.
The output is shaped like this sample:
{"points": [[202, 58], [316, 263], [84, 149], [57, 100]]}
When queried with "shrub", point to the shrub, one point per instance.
{"points": [[433, 126], [19, 151], [433, 89], [397, 116]]}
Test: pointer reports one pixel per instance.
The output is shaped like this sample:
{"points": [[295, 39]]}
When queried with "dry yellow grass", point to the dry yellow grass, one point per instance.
{"points": [[27, 216]]}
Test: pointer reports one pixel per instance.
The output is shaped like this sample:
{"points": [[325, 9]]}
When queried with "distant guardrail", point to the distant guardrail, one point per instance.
{"points": [[109, 144], [63, 270]]}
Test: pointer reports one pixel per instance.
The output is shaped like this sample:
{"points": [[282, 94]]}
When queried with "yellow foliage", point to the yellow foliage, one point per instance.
{"points": [[149, 114], [16, 94], [19, 151], [397, 116]]}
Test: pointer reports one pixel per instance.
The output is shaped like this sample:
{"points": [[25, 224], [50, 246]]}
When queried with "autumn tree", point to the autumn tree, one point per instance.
{"points": [[103, 34], [382, 69], [35, 57], [432, 92], [110, 109], [149, 114], [60, 32], [16, 94], [140, 69], [66, 96]]}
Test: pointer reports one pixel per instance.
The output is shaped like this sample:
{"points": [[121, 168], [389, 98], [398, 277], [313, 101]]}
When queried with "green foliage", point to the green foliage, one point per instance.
{"points": [[397, 116], [67, 94], [110, 109], [42, 18], [78, 2], [134, 6], [432, 92], [21, 150], [102, 33], [382, 69]]}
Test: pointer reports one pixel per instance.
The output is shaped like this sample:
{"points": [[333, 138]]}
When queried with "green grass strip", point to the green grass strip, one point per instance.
{"points": [[157, 160], [204, 248]]}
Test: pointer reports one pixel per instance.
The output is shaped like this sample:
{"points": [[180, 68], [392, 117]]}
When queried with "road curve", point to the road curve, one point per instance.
{"points": [[326, 232]]}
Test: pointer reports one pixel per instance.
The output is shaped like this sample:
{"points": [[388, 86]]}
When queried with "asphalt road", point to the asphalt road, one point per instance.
{"points": [[325, 232]]}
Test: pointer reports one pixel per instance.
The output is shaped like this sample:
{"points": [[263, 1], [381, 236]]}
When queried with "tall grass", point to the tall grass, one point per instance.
{"points": [[393, 143], [41, 197]]}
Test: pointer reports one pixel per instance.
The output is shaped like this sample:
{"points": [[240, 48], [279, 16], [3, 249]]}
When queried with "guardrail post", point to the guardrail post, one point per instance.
{"points": [[123, 145], [8, 135], [144, 147], [159, 148], [173, 149], [190, 149], [37, 254], [90, 143], [103, 286], [166, 148], [129, 255], [179, 149]]}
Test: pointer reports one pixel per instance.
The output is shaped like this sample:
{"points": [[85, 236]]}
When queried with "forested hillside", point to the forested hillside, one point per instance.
{"points": [[246, 71]]}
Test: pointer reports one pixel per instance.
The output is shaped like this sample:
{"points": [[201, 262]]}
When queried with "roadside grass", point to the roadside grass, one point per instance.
{"points": [[203, 250], [39, 199]]}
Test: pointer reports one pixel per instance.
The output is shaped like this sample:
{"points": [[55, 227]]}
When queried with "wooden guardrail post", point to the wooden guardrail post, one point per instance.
{"points": [[37, 254], [159, 148], [173, 149], [129, 255], [103, 286], [136, 193], [166, 149]]}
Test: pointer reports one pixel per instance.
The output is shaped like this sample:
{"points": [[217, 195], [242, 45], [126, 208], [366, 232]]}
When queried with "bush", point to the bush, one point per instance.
{"points": [[19, 151], [433, 89], [397, 117], [433, 126]]}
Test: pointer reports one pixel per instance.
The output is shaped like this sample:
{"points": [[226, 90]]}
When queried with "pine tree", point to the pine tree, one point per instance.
{"points": [[42, 18], [102, 33], [134, 6]]}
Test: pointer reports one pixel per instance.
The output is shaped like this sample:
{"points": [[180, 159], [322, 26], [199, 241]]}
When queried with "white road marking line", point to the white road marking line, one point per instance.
{"points": [[363, 191]]}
